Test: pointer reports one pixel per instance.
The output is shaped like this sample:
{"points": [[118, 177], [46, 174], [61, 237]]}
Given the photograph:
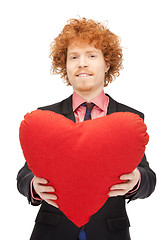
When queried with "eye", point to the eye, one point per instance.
{"points": [[73, 57], [92, 55]]}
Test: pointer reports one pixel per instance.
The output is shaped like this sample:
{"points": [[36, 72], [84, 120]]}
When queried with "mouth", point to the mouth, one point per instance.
{"points": [[84, 74]]}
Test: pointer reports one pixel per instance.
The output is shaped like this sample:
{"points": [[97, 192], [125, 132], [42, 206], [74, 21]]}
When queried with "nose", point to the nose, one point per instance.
{"points": [[82, 63]]}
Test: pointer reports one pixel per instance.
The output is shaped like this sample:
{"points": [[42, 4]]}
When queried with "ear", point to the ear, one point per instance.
{"points": [[107, 67]]}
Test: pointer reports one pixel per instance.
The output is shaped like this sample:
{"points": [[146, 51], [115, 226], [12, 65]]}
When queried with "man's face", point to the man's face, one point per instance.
{"points": [[86, 67]]}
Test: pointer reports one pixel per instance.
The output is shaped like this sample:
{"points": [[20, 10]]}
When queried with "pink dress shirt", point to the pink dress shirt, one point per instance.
{"points": [[101, 102]]}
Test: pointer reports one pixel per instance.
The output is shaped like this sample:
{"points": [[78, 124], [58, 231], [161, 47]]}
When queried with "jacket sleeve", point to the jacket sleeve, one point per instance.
{"points": [[148, 179], [24, 178], [147, 184]]}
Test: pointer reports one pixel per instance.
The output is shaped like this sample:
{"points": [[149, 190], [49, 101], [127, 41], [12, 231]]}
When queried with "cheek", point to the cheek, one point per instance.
{"points": [[70, 68], [69, 71], [100, 67], [101, 72]]}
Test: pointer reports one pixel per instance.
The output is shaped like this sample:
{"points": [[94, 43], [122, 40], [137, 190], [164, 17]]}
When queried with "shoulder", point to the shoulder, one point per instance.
{"points": [[124, 108], [62, 107], [53, 107], [115, 106]]}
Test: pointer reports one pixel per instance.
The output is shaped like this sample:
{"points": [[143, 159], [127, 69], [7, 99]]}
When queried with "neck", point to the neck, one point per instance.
{"points": [[88, 96]]}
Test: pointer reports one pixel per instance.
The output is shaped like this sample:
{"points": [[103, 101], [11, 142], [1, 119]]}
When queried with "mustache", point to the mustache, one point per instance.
{"points": [[82, 71]]}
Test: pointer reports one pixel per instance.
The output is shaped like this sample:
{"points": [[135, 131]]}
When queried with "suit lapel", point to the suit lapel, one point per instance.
{"points": [[67, 109], [71, 116], [112, 106]]}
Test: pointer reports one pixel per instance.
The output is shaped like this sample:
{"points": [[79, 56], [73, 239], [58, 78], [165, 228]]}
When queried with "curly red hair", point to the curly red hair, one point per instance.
{"points": [[91, 32]]}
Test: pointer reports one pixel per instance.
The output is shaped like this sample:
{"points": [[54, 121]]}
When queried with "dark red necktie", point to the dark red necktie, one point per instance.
{"points": [[89, 107]]}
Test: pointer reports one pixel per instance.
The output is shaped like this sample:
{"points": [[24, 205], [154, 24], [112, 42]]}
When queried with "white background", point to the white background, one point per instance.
{"points": [[27, 29]]}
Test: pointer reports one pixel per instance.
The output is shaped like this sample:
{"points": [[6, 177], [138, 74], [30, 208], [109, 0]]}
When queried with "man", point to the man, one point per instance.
{"points": [[88, 56]]}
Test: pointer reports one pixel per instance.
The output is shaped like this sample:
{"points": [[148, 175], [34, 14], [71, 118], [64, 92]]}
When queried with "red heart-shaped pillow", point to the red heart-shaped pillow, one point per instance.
{"points": [[82, 160]]}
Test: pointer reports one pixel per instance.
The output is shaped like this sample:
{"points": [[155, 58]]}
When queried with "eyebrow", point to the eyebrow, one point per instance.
{"points": [[92, 51]]}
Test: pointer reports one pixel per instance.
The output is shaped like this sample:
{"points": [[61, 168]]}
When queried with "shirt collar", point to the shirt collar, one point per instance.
{"points": [[101, 100]]}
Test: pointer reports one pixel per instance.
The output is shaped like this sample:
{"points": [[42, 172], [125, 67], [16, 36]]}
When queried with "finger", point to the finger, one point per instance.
{"points": [[128, 176], [40, 180], [116, 193], [48, 196], [44, 188], [120, 186], [52, 203]]}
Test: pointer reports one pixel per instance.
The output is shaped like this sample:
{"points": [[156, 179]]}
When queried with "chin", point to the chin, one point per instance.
{"points": [[85, 88]]}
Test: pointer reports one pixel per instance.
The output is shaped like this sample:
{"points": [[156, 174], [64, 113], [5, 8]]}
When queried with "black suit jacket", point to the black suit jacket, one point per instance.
{"points": [[111, 221]]}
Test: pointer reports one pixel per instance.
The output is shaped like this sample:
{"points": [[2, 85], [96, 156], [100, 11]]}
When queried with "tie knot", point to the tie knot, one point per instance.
{"points": [[88, 106]]}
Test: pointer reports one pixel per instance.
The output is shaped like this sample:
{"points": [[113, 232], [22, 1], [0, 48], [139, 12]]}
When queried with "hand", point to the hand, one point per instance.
{"points": [[123, 188], [44, 191]]}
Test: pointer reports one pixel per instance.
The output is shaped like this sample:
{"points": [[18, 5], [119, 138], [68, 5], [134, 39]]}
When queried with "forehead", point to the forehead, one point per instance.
{"points": [[81, 47]]}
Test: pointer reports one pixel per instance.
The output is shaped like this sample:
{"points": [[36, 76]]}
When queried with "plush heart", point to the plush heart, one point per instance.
{"points": [[82, 160]]}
